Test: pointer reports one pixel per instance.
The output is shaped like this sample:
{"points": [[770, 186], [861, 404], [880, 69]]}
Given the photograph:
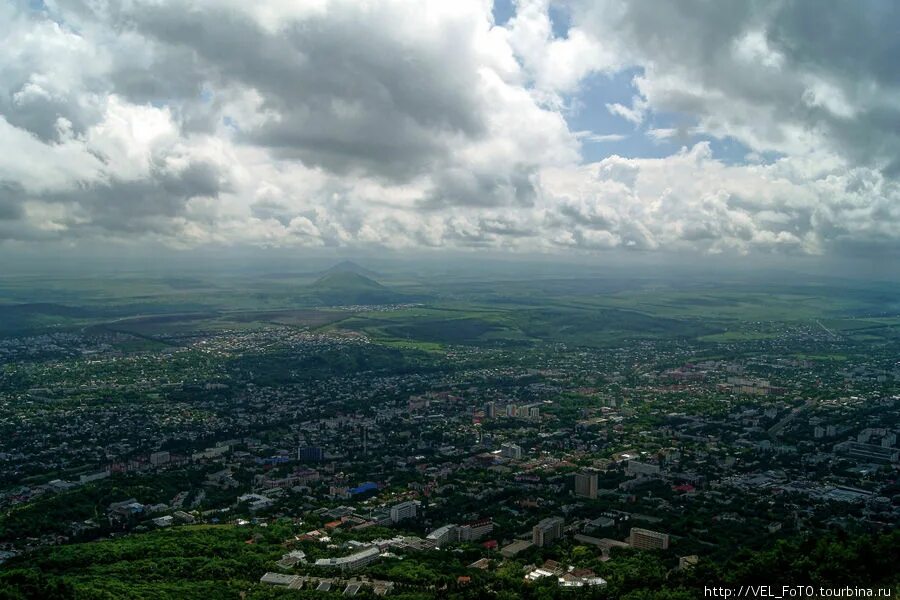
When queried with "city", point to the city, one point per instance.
{"points": [[449, 299], [360, 462]]}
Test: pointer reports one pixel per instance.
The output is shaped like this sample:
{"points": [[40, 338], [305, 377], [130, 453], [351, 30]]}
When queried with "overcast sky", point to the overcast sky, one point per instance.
{"points": [[707, 127]]}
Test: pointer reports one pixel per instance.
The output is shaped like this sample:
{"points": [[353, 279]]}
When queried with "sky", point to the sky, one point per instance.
{"points": [[688, 127]]}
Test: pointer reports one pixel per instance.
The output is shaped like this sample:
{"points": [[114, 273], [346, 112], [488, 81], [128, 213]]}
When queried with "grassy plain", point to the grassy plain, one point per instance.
{"points": [[428, 314]]}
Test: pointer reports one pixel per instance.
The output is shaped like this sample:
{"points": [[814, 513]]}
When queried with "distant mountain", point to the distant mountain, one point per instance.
{"points": [[348, 266], [346, 281], [347, 287]]}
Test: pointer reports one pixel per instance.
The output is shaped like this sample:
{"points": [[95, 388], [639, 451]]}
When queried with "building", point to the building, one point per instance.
{"points": [[88, 477], [402, 511], [638, 468], [605, 544], [160, 458], [443, 535], [752, 387], [579, 578], [164, 521], [255, 502], [475, 530], [183, 516], [514, 548], [126, 508], [644, 539], [546, 531], [599, 523], [511, 451], [351, 562], [868, 452], [586, 485], [311, 454], [279, 579], [490, 410], [363, 488]]}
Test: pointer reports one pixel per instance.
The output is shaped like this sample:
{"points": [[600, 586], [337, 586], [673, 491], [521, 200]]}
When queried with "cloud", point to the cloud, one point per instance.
{"points": [[599, 138], [410, 124], [386, 90], [691, 201], [556, 65], [778, 76], [633, 114]]}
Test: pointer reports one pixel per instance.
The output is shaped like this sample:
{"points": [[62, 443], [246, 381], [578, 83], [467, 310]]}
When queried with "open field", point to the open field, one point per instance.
{"points": [[581, 312]]}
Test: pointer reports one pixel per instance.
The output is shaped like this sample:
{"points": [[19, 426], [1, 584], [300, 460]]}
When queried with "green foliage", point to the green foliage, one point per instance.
{"points": [[54, 513], [217, 562], [343, 288], [185, 562]]}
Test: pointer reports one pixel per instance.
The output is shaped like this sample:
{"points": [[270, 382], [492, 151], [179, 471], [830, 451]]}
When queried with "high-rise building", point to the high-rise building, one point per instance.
{"points": [[475, 530], [365, 441], [311, 454], [644, 539], [534, 412], [160, 458], [511, 451], [490, 410], [510, 410], [443, 535], [547, 531], [586, 485], [404, 510]]}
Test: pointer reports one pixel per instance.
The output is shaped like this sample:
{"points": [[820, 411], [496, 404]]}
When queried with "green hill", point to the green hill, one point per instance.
{"points": [[346, 287], [348, 266]]}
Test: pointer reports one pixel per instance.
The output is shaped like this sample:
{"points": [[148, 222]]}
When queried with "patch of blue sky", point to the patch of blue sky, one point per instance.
{"points": [[231, 124], [670, 132], [602, 132], [560, 15], [560, 19], [659, 134], [503, 10]]}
